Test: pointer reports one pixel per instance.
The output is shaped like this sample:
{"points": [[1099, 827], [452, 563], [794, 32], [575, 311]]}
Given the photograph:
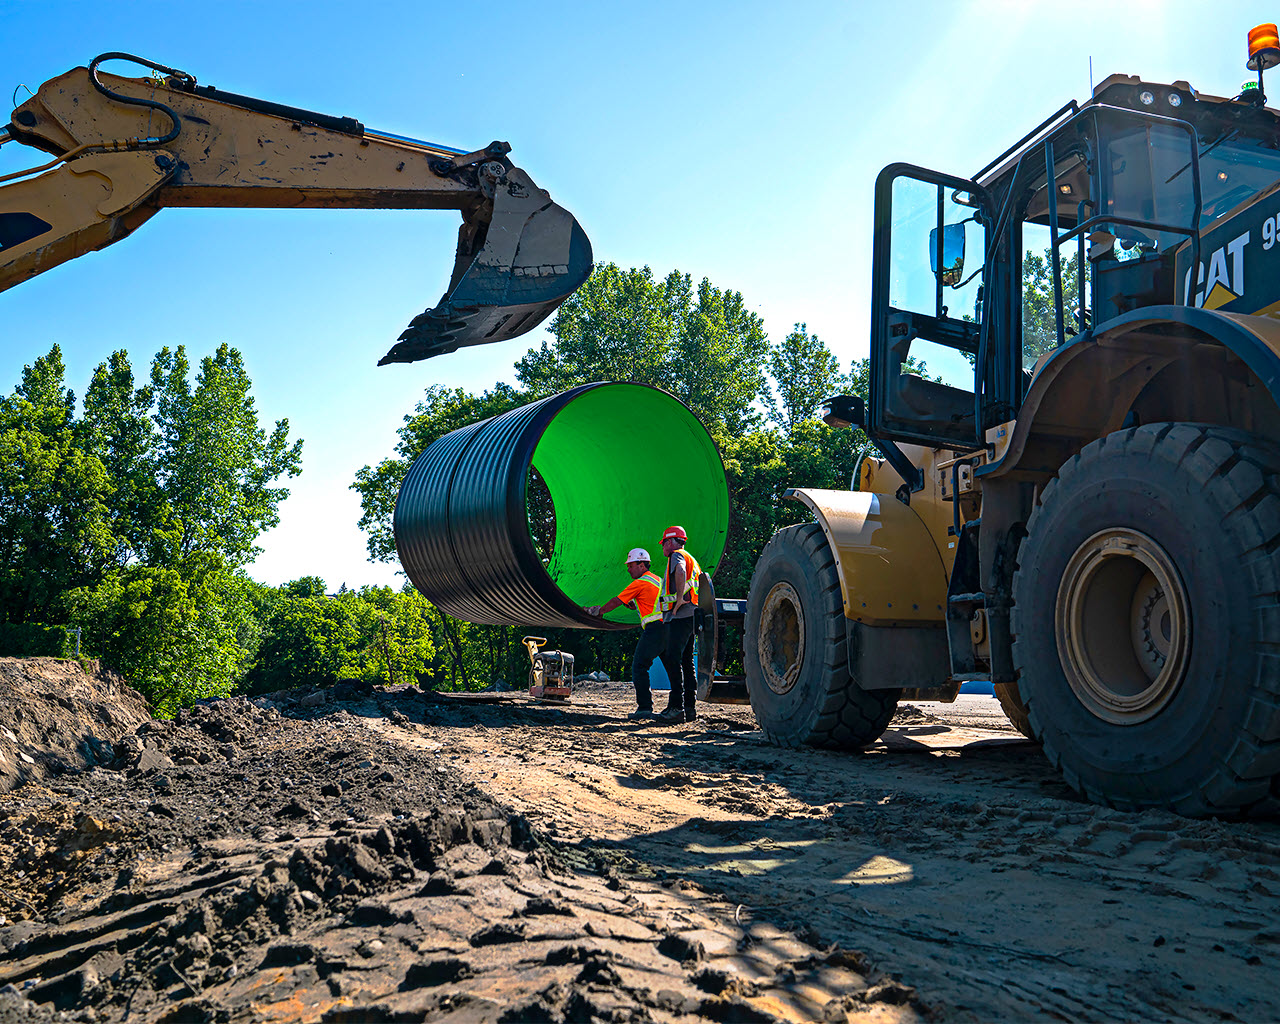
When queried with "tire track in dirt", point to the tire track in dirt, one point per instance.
{"points": [[332, 863], [967, 869]]}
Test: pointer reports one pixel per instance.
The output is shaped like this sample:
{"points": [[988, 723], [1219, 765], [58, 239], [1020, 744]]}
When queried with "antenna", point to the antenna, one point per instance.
{"points": [[1091, 74]]}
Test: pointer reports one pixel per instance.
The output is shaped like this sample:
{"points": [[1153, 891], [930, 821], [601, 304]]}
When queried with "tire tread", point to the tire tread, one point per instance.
{"points": [[850, 718], [1241, 473]]}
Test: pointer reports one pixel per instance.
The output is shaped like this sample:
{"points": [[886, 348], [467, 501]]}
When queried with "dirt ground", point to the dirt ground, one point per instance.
{"points": [[370, 855]]}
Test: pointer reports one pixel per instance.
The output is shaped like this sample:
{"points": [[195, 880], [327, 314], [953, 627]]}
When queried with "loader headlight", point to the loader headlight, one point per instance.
{"points": [[1147, 97]]}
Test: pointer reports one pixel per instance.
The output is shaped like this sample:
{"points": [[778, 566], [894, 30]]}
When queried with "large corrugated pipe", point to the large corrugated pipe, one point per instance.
{"points": [[523, 518]]}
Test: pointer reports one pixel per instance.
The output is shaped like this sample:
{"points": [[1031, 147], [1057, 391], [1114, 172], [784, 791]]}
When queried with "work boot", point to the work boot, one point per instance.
{"points": [[672, 716], [690, 715], [642, 713]]}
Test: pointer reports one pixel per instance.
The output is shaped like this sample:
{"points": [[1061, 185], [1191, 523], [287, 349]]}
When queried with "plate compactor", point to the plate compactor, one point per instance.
{"points": [[550, 672]]}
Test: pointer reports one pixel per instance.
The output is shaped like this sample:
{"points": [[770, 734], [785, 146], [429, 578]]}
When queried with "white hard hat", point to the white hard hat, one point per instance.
{"points": [[638, 555]]}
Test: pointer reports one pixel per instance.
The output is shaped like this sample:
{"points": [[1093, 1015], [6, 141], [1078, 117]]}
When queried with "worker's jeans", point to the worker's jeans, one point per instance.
{"points": [[653, 638], [677, 659]]}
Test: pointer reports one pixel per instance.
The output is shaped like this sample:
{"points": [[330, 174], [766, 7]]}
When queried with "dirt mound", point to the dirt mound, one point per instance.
{"points": [[305, 859], [55, 716]]}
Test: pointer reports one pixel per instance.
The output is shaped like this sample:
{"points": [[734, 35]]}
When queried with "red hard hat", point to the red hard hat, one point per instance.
{"points": [[674, 531]]}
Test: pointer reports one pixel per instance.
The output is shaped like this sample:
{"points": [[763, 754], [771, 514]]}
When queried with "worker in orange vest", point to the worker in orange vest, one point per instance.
{"points": [[642, 594], [679, 603]]}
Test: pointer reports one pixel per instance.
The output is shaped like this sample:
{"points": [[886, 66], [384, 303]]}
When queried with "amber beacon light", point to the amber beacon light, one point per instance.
{"points": [[1264, 47]]}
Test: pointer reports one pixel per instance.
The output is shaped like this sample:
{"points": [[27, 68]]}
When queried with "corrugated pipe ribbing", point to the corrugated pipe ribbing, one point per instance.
{"points": [[591, 473]]}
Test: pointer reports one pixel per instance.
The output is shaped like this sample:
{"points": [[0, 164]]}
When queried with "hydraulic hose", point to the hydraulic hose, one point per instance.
{"points": [[524, 518], [176, 121]]}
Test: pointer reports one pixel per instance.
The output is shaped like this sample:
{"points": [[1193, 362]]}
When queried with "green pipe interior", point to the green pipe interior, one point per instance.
{"points": [[622, 463]]}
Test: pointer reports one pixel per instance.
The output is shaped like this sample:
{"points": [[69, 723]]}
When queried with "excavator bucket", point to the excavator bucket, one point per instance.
{"points": [[511, 274]]}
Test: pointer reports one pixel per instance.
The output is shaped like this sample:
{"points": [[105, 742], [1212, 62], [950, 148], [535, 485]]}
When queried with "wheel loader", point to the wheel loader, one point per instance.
{"points": [[1087, 511], [125, 148]]}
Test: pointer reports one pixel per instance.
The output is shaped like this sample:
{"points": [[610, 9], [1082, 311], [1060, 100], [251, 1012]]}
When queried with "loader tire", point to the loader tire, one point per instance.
{"points": [[794, 647], [1146, 619], [1013, 708]]}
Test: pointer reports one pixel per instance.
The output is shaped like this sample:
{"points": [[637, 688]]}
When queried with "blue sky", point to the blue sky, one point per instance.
{"points": [[737, 141]]}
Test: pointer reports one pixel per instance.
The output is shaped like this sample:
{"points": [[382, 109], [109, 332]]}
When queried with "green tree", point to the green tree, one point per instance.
{"points": [[756, 467], [440, 411], [804, 372], [305, 586], [307, 638], [817, 455], [717, 359], [133, 520], [216, 466], [44, 387], [375, 634], [176, 632], [703, 346], [402, 646], [118, 429], [1039, 317], [620, 325], [55, 528]]}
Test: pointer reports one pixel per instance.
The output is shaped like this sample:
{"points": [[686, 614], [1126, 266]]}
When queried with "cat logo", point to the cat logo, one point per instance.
{"points": [[1220, 287]]}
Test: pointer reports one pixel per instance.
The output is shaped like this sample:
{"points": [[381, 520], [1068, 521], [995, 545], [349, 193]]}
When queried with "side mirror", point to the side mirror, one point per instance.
{"points": [[844, 411], [952, 253]]}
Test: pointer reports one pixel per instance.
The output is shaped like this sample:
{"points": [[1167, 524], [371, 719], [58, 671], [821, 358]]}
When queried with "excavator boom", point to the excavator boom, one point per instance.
{"points": [[125, 148]]}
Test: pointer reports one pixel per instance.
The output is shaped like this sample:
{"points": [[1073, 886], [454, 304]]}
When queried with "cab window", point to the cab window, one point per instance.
{"points": [[1070, 191]]}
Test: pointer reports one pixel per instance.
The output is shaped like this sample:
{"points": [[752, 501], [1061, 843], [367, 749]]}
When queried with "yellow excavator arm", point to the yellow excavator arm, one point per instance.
{"points": [[124, 148]]}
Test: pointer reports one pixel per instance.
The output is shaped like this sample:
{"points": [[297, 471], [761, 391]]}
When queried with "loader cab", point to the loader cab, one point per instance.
{"points": [[1096, 212]]}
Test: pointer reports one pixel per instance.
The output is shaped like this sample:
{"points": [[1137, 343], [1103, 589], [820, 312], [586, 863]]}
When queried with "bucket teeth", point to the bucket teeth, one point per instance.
{"points": [[535, 255], [430, 334]]}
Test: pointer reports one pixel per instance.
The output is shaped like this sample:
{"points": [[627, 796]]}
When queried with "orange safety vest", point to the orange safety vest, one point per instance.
{"points": [[691, 572], [644, 591]]}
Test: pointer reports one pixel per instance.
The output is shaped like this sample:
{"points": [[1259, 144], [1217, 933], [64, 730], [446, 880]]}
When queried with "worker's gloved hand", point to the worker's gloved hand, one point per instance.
{"points": [[593, 609]]}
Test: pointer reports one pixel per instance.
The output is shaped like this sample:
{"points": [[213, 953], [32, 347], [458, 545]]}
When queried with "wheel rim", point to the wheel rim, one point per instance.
{"points": [[781, 638], [1123, 626]]}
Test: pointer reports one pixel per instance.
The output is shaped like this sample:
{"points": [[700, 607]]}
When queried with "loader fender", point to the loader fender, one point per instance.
{"points": [[1159, 363], [891, 572]]}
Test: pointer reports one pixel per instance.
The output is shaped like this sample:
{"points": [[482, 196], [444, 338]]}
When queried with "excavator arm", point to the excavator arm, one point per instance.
{"points": [[124, 148]]}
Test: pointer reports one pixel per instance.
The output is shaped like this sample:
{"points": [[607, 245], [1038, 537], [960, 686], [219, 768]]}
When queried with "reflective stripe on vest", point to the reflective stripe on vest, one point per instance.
{"points": [[655, 613], [691, 571]]}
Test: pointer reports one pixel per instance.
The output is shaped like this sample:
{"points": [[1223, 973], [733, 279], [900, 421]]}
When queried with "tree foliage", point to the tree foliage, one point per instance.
{"points": [[117, 427], [214, 464], [805, 373], [177, 631], [134, 519], [55, 523], [620, 325], [375, 634], [440, 411], [1039, 316], [703, 345]]}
